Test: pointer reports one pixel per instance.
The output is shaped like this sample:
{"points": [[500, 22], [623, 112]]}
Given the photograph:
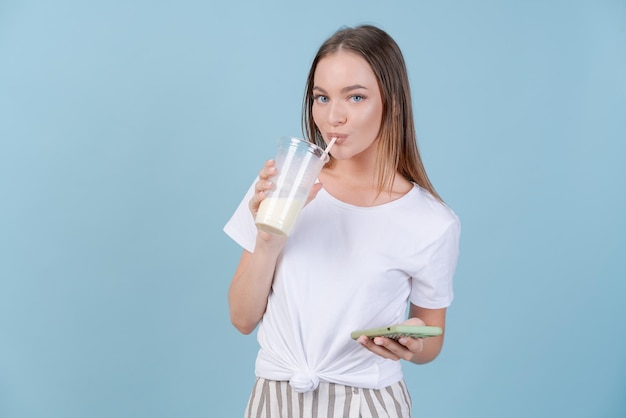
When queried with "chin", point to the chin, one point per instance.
{"points": [[340, 157], [340, 153]]}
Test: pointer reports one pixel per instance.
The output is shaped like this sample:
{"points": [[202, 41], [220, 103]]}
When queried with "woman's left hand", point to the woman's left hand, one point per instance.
{"points": [[404, 348]]}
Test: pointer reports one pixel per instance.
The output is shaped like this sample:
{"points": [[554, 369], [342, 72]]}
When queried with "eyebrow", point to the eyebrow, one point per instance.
{"points": [[343, 90]]}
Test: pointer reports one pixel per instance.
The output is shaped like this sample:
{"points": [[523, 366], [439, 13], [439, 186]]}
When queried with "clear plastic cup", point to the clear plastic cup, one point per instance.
{"points": [[298, 164]]}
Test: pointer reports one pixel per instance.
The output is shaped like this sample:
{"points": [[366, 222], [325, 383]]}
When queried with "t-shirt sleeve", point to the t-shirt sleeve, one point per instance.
{"points": [[432, 286], [241, 227]]}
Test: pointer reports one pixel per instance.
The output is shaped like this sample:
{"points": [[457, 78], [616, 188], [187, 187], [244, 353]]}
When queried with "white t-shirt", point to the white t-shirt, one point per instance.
{"points": [[344, 268]]}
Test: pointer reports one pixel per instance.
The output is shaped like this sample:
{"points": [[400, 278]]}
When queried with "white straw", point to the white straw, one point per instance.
{"points": [[329, 146]]}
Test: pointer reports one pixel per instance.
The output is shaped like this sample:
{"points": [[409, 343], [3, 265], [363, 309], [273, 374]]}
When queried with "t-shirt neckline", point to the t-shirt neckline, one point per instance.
{"points": [[398, 201]]}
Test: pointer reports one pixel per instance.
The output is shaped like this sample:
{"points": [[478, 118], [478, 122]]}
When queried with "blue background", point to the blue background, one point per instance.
{"points": [[129, 132]]}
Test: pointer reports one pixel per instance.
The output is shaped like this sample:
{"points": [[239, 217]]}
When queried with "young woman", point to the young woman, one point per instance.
{"points": [[373, 240]]}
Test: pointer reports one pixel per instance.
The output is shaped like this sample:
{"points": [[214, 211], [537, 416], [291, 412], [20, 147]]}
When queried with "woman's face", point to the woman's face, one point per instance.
{"points": [[347, 104]]}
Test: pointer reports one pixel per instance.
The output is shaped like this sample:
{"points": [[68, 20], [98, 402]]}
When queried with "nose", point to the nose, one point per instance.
{"points": [[336, 114]]}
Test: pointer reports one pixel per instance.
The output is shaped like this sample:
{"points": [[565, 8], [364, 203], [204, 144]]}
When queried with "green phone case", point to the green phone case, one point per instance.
{"points": [[397, 331]]}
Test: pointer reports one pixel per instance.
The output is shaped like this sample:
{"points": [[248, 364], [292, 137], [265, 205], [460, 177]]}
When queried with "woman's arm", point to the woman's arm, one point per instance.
{"points": [[251, 284], [418, 351], [426, 349], [252, 281]]}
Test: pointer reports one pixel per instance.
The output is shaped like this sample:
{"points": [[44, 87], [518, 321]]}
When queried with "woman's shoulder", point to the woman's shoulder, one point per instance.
{"points": [[431, 208]]}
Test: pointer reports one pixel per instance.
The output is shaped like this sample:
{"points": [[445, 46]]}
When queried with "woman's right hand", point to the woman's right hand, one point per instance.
{"points": [[262, 186], [272, 242]]}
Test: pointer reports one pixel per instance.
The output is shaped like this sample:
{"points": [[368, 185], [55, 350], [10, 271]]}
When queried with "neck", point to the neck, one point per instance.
{"points": [[361, 168]]}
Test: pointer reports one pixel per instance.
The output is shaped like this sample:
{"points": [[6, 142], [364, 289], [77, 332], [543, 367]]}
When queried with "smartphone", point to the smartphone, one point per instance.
{"points": [[397, 331]]}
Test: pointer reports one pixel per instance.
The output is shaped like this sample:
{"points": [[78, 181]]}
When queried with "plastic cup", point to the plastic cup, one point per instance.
{"points": [[298, 164]]}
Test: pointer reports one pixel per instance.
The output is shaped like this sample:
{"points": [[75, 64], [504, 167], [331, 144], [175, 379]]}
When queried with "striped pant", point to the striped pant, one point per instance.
{"points": [[274, 399]]}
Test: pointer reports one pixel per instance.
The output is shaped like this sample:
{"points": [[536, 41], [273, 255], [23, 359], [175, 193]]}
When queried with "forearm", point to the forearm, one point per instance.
{"points": [[250, 288]]}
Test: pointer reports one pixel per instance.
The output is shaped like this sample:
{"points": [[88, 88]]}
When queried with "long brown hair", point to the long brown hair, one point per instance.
{"points": [[397, 142]]}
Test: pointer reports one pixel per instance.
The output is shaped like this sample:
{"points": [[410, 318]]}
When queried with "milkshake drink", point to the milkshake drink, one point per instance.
{"points": [[277, 215], [298, 164]]}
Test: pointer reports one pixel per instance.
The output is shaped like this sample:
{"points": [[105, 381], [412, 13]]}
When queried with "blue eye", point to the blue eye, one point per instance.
{"points": [[357, 98], [320, 99]]}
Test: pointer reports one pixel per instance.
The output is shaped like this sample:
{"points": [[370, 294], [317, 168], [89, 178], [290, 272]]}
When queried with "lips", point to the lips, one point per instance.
{"points": [[340, 137]]}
